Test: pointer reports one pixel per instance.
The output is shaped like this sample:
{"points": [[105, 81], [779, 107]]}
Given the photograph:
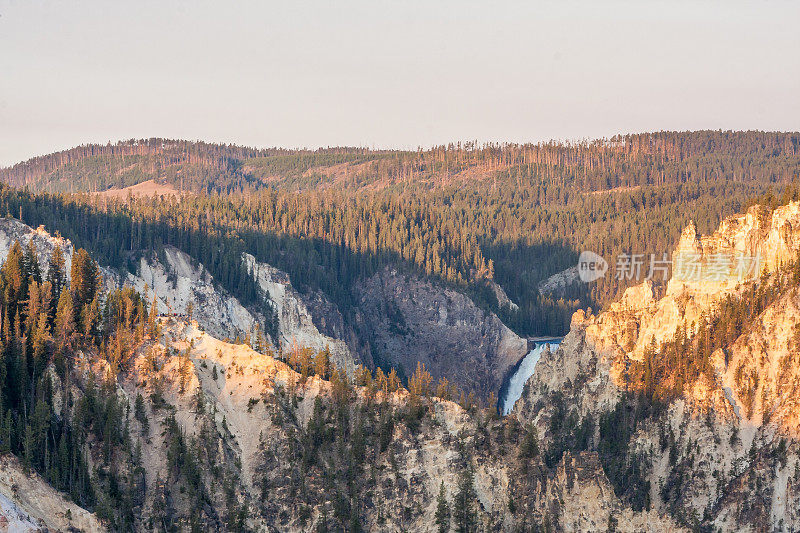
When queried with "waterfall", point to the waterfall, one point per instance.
{"points": [[524, 371]]}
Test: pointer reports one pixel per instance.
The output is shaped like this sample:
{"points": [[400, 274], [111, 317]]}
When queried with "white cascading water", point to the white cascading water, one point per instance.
{"points": [[523, 373]]}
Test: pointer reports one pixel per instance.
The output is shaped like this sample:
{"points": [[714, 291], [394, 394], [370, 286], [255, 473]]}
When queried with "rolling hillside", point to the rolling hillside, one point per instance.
{"points": [[467, 216]]}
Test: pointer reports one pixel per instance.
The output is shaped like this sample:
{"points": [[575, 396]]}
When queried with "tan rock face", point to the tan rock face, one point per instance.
{"points": [[713, 452], [255, 415], [589, 502], [762, 373], [631, 324], [28, 503]]}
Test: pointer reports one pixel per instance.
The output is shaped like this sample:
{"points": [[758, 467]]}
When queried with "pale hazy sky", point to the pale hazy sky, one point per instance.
{"points": [[390, 73]]}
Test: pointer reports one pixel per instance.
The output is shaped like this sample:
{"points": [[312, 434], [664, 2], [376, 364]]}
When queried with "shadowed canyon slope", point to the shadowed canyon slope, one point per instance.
{"points": [[402, 319], [408, 320]]}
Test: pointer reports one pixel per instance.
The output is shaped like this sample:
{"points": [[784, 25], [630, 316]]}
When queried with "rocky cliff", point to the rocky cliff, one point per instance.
{"points": [[724, 454], [12, 230], [297, 324], [28, 504], [192, 431], [268, 449], [173, 277], [407, 319], [219, 436], [180, 283]]}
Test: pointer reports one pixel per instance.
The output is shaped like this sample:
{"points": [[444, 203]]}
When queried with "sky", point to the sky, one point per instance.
{"points": [[390, 74]]}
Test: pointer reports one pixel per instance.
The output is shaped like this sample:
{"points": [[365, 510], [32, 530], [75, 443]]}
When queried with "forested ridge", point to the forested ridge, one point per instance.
{"points": [[622, 161], [46, 323], [463, 214]]}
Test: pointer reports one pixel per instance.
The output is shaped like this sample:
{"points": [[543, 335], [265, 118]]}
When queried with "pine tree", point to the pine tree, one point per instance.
{"points": [[65, 321], [85, 277], [199, 401], [6, 430], [322, 363], [57, 275], [393, 381], [32, 262], [15, 278], [464, 514], [40, 338], [355, 520], [530, 446], [153, 327], [183, 371], [442, 510], [90, 319], [140, 414], [420, 382]]}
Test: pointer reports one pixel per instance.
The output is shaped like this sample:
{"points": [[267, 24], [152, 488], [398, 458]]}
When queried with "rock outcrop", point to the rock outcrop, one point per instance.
{"points": [[724, 454], [590, 504], [180, 283], [557, 284], [176, 280], [12, 230], [502, 297], [296, 322], [407, 320], [28, 503]]}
